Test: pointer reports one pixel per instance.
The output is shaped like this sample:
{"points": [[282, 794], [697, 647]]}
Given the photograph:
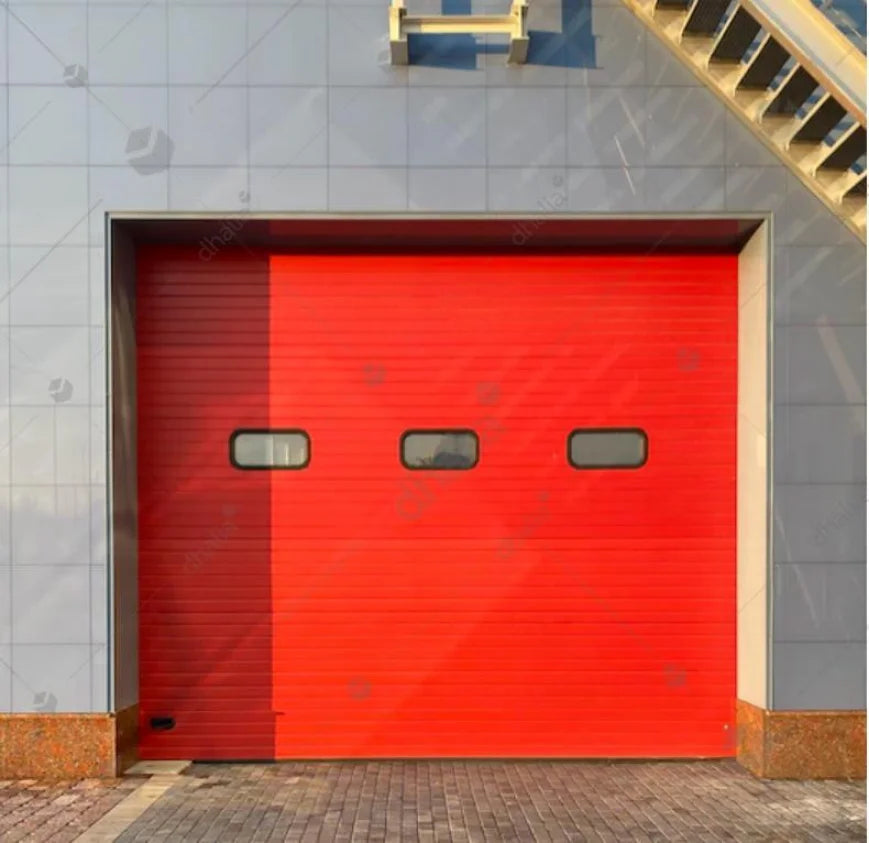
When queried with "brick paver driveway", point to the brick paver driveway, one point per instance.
{"points": [[471, 801], [56, 811], [479, 801]]}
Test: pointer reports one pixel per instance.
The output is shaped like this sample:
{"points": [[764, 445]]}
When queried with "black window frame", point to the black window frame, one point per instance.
{"points": [[609, 466], [415, 431], [272, 431]]}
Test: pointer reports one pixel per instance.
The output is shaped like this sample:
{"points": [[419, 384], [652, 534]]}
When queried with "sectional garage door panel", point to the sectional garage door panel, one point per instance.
{"points": [[357, 608]]}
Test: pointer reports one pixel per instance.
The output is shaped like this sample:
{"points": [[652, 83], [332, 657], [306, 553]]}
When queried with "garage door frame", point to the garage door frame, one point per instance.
{"points": [[749, 237]]}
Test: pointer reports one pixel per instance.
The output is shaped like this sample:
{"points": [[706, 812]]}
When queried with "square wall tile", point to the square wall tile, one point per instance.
{"points": [[820, 444], [35, 222], [4, 288], [742, 148], [820, 602], [819, 523], [367, 127], [684, 128], [5, 678], [447, 127], [804, 221], [52, 286], [99, 669], [51, 604], [288, 127], [5, 469], [72, 443], [619, 49], [560, 36], [677, 189], [447, 189], [359, 48], [51, 678], [98, 443], [537, 139], [4, 138], [4, 205], [454, 61], [47, 44], [819, 676], [98, 374], [592, 189], [5, 513], [756, 189], [3, 77], [32, 445], [124, 189], [208, 126], [99, 523], [288, 189], [127, 47], [286, 45], [368, 189], [119, 117], [99, 604], [606, 126], [97, 291], [47, 125], [819, 364], [663, 68], [51, 525], [49, 365], [5, 365], [541, 190], [825, 281], [208, 189], [216, 60], [6, 600]]}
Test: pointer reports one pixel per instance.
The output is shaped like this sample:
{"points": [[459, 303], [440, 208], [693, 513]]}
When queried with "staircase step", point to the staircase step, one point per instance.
{"points": [[736, 37], [837, 183], [858, 191], [818, 123], [705, 15], [847, 150], [765, 65], [793, 92]]}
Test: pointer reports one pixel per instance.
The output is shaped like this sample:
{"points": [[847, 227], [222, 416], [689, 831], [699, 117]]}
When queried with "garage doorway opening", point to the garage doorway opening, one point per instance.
{"points": [[269, 530]]}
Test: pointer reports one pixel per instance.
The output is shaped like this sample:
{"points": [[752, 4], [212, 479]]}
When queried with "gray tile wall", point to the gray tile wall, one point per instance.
{"points": [[270, 106]]}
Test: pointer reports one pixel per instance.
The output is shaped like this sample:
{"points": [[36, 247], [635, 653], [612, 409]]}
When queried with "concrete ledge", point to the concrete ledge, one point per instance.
{"points": [[801, 744], [67, 746]]}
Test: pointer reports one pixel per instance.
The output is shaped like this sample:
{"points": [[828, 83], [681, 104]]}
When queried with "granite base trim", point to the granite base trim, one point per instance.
{"points": [[60, 746], [801, 744]]}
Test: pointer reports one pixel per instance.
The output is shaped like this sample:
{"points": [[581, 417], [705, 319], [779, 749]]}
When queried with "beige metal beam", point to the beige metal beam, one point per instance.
{"points": [[514, 24]]}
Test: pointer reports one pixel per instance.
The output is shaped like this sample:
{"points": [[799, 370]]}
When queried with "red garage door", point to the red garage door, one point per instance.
{"points": [[501, 520]]}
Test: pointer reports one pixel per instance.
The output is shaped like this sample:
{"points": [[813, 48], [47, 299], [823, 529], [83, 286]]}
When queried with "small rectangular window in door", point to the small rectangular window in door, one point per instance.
{"points": [[265, 449], [440, 449], [608, 448]]}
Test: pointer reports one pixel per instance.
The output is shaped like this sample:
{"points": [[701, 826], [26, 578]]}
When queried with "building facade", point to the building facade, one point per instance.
{"points": [[145, 146]]}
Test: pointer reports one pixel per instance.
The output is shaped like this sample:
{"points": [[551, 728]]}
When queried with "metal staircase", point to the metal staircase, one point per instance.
{"points": [[793, 78]]}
